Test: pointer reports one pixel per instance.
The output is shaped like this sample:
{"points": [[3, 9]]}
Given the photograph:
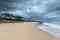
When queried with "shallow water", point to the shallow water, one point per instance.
{"points": [[53, 29]]}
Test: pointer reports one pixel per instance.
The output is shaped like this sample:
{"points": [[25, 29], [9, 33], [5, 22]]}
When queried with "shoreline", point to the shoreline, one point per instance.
{"points": [[23, 31]]}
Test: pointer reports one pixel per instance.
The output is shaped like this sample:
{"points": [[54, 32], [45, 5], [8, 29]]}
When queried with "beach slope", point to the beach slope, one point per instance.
{"points": [[23, 31]]}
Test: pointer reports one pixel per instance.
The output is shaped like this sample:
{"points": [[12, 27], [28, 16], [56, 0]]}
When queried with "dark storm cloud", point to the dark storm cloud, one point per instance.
{"points": [[34, 9], [11, 0], [8, 4]]}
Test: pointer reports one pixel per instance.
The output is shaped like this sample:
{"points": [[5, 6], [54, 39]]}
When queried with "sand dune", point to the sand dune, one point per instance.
{"points": [[23, 31]]}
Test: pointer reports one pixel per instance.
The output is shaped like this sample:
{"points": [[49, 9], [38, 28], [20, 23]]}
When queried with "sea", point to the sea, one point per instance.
{"points": [[52, 29]]}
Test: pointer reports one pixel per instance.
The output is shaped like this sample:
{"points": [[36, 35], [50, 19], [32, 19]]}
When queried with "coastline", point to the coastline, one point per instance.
{"points": [[23, 31]]}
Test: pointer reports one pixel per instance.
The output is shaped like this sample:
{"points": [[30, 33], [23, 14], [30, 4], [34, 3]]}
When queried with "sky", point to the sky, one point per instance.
{"points": [[39, 10]]}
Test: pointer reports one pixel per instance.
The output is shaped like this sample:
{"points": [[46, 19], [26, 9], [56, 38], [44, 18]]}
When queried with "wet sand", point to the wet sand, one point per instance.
{"points": [[23, 31]]}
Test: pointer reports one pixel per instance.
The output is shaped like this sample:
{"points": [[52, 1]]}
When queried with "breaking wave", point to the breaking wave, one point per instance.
{"points": [[53, 29]]}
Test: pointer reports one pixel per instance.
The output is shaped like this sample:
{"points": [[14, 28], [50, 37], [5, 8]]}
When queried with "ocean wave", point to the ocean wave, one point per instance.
{"points": [[53, 29]]}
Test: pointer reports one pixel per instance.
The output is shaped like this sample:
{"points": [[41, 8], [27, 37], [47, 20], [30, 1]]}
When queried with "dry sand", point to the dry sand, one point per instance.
{"points": [[23, 31]]}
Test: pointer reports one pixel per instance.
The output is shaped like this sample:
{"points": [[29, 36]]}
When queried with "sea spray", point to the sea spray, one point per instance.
{"points": [[53, 29]]}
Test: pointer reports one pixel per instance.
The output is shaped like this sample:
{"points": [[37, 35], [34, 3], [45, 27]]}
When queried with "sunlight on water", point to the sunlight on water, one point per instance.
{"points": [[53, 29]]}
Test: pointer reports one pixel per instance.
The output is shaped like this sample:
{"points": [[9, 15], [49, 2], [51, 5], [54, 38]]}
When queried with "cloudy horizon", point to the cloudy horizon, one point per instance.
{"points": [[40, 10]]}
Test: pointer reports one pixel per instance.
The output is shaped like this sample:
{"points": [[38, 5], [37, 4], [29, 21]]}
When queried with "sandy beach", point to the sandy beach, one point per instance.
{"points": [[23, 31]]}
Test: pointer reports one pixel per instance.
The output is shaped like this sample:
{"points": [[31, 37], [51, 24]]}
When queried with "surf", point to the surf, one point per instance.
{"points": [[52, 29]]}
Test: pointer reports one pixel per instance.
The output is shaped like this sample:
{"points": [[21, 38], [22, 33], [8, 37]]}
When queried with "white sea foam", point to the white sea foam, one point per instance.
{"points": [[53, 29]]}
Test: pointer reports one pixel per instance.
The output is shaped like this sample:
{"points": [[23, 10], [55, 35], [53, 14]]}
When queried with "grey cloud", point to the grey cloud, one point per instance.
{"points": [[8, 4], [35, 9]]}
